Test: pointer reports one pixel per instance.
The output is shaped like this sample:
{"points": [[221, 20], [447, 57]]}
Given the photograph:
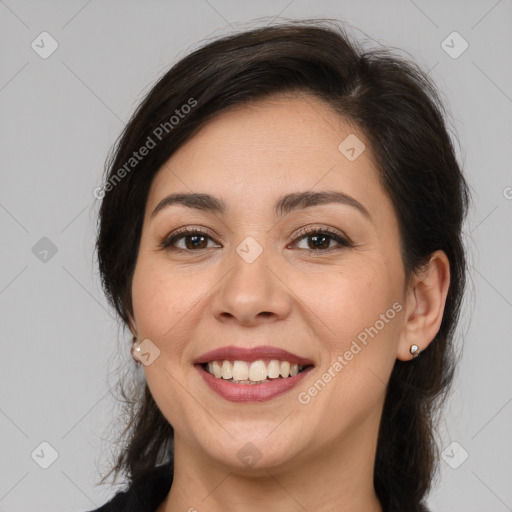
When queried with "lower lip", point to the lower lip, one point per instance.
{"points": [[251, 392]]}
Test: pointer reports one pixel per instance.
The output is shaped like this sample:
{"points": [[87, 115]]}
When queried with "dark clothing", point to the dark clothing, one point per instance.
{"points": [[146, 495], [143, 496]]}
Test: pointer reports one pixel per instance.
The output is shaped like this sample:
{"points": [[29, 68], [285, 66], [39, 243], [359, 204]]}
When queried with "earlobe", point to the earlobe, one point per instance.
{"points": [[415, 351], [424, 307]]}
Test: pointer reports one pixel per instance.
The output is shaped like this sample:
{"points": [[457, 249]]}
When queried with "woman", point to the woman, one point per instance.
{"points": [[280, 230]]}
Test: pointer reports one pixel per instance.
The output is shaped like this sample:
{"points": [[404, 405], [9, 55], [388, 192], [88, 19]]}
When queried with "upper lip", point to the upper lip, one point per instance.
{"points": [[232, 353]]}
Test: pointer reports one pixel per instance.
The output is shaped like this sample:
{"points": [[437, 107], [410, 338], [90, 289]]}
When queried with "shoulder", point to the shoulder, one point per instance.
{"points": [[143, 495]]}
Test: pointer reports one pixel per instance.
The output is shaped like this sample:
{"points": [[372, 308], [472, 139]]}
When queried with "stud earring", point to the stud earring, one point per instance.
{"points": [[415, 351], [134, 340]]}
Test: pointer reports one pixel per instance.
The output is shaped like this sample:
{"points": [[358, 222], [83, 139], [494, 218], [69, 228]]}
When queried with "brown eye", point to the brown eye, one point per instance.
{"points": [[193, 240], [321, 239]]}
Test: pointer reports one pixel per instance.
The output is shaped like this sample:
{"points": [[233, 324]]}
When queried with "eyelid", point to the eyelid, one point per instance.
{"points": [[334, 233], [184, 231]]}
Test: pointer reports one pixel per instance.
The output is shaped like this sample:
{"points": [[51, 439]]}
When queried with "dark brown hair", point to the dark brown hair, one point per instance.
{"points": [[397, 107]]}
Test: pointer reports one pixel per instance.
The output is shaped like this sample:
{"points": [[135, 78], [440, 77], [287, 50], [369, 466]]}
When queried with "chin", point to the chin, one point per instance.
{"points": [[253, 454]]}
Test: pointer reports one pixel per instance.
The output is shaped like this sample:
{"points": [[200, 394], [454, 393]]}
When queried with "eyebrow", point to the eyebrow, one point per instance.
{"points": [[283, 206]]}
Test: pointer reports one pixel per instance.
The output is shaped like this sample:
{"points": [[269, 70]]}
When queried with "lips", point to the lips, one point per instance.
{"points": [[232, 353], [259, 391]]}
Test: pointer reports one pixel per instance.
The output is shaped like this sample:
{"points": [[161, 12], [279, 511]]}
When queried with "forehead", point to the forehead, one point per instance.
{"points": [[260, 150], [289, 128]]}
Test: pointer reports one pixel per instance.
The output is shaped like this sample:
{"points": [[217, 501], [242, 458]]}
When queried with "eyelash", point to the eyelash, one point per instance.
{"points": [[343, 241]]}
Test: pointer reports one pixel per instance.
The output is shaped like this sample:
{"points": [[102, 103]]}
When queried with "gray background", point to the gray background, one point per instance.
{"points": [[62, 347]]}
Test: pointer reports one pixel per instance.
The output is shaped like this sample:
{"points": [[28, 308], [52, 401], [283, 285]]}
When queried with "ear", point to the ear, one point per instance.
{"points": [[425, 301]]}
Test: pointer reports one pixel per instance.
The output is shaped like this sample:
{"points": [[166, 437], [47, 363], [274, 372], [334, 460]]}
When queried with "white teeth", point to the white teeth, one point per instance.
{"points": [[284, 369], [242, 372], [227, 370], [257, 371], [273, 369], [216, 369]]}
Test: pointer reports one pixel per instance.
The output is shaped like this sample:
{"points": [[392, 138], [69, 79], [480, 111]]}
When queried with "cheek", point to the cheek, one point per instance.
{"points": [[161, 301], [359, 312], [161, 298], [349, 301], [148, 297], [360, 322]]}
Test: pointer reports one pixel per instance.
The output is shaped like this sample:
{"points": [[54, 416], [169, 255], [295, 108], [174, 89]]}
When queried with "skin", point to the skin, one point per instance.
{"points": [[312, 302]]}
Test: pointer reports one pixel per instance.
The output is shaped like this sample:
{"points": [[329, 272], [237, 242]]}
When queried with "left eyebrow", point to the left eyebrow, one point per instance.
{"points": [[283, 206], [308, 199]]}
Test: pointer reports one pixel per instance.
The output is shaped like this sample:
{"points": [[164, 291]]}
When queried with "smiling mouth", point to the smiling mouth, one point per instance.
{"points": [[256, 372]]}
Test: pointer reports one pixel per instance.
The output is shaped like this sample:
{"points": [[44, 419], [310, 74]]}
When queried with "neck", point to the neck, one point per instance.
{"points": [[340, 479]]}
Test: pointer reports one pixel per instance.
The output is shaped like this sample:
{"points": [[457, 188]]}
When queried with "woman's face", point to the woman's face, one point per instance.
{"points": [[264, 276]]}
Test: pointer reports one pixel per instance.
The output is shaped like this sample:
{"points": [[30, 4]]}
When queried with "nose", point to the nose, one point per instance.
{"points": [[252, 293]]}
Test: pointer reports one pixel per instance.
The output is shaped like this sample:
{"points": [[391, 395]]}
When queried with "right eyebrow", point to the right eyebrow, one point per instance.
{"points": [[204, 202]]}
